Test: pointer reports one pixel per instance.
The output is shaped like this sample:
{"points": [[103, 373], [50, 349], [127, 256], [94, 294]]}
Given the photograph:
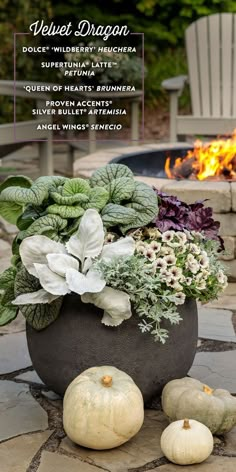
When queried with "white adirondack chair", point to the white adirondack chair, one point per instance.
{"points": [[25, 131], [211, 54]]}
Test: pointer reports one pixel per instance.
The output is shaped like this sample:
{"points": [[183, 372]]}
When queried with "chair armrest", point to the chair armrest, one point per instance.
{"points": [[175, 84]]}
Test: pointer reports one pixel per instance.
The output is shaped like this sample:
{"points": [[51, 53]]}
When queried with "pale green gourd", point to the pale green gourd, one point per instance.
{"points": [[102, 408], [190, 398]]}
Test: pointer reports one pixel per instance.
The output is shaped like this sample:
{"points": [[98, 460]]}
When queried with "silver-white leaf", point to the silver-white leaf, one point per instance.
{"points": [[35, 249], [59, 263], [51, 282], [122, 247], [88, 241], [32, 298], [80, 283], [115, 303]]}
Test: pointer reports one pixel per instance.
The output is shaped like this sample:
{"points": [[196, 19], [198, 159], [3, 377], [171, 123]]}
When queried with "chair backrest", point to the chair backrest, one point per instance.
{"points": [[211, 53]]}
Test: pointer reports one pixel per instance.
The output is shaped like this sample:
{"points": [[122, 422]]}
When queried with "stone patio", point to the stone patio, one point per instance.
{"points": [[31, 433]]}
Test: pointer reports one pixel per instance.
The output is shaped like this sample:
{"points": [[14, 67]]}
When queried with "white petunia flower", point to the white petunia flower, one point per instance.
{"points": [[201, 285], [188, 280], [203, 261], [194, 249], [150, 254], [166, 250], [170, 259], [163, 272], [188, 234], [141, 250], [166, 275], [193, 267], [182, 249], [180, 298], [181, 236], [167, 236], [173, 283], [139, 244], [191, 259], [155, 246], [176, 243], [160, 263], [198, 277], [176, 272], [222, 279]]}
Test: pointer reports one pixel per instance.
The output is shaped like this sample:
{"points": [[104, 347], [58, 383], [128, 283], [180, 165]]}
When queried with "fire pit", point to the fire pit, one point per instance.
{"points": [[206, 161], [150, 164], [203, 161]]}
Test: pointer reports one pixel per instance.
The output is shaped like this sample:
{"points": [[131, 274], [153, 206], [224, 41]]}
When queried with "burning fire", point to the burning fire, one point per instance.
{"points": [[214, 160]]}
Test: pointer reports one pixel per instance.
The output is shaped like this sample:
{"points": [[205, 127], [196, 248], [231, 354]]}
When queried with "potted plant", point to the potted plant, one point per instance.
{"points": [[107, 271]]}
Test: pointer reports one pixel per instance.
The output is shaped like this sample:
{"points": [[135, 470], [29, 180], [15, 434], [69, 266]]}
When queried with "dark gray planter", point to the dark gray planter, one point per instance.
{"points": [[78, 340]]}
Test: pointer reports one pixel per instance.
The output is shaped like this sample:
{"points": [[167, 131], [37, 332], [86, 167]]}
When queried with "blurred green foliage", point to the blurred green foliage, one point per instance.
{"points": [[168, 63], [162, 21], [15, 17]]}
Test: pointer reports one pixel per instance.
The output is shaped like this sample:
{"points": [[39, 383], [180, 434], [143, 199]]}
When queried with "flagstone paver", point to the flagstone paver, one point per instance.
{"points": [[17, 453], [16, 326], [4, 246], [57, 463], [50, 395], [216, 324], [217, 369], [224, 302], [14, 354], [143, 448], [5, 254], [19, 411], [213, 464], [230, 442], [30, 376], [5, 260], [8, 227]]}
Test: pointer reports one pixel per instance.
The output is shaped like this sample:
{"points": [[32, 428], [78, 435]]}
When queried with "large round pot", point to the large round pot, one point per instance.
{"points": [[78, 340]]}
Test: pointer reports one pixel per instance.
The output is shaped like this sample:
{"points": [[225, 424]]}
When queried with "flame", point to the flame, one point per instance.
{"points": [[216, 159]]}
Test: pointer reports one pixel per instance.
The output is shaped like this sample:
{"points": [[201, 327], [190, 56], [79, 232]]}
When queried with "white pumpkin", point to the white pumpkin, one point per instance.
{"points": [[189, 398], [186, 442], [102, 408]]}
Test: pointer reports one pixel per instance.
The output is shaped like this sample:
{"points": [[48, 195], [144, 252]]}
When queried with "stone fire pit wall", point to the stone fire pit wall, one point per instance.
{"points": [[221, 195]]}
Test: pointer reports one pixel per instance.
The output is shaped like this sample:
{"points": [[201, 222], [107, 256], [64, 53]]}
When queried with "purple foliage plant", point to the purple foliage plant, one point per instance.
{"points": [[177, 215]]}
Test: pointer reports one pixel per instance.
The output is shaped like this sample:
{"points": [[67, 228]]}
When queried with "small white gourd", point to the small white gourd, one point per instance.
{"points": [[186, 442], [102, 408]]}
